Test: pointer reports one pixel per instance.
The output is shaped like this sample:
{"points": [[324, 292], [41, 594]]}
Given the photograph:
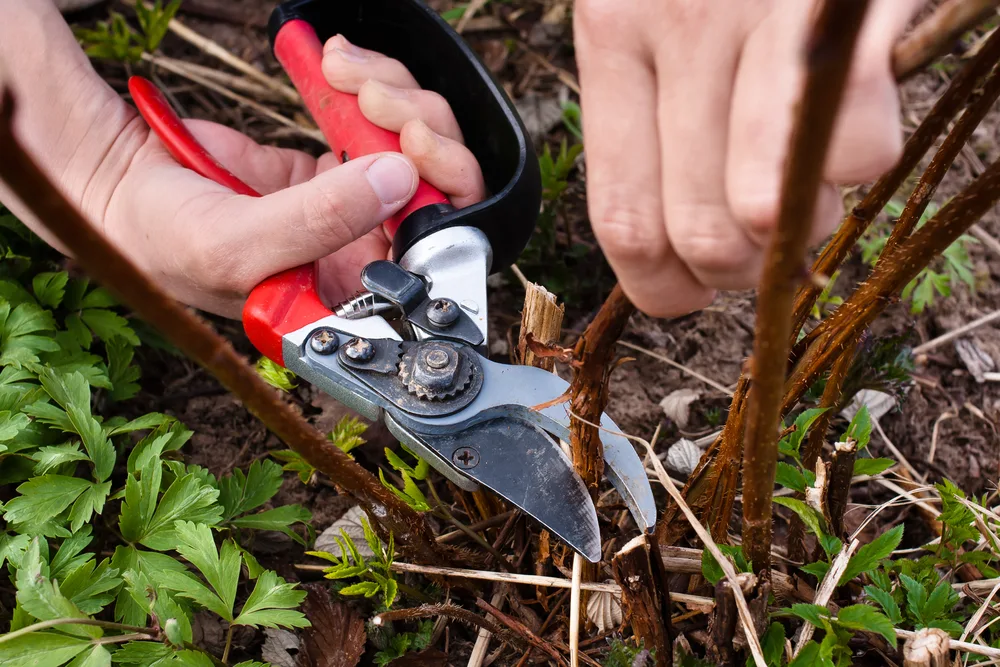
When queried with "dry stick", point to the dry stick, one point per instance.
{"points": [[977, 649], [642, 597], [196, 338], [957, 333], [934, 36], [727, 567], [542, 319], [522, 630], [936, 121], [952, 145], [826, 588], [242, 84], [182, 70], [929, 647], [828, 61], [841, 473], [985, 237]]}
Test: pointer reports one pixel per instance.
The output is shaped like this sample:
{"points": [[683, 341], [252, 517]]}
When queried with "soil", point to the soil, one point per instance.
{"points": [[714, 342]]}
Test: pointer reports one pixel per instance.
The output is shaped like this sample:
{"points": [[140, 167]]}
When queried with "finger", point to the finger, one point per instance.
{"points": [[339, 274], [623, 180], [391, 108], [444, 163], [347, 67], [694, 105], [868, 135], [305, 222]]}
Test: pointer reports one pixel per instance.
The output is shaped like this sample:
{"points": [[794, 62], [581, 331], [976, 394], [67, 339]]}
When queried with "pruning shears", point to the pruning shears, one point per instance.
{"points": [[478, 422]]}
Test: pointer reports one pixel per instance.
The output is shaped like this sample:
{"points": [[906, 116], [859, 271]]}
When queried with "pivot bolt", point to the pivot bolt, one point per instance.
{"points": [[465, 457], [323, 341], [437, 359], [359, 349], [442, 312]]}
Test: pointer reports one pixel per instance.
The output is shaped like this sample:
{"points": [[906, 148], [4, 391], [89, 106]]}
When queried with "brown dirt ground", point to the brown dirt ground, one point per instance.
{"points": [[714, 342]]}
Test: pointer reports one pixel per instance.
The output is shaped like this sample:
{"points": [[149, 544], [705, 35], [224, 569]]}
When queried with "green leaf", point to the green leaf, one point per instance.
{"points": [[916, 595], [295, 463], [189, 658], [811, 613], [860, 428], [98, 298], [90, 502], [20, 342], [871, 555], [143, 654], [188, 498], [50, 288], [279, 519], [346, 435], [863, 617], [272, 604], [240, 493], [366, 588], [940, 601], [91, 586], [78, 331], [772, 644], [11, 424], [72, 393], [887, 602], [220, 569], [802, 425], [808, 656], [47, 458], [817, 569], [12, 547], [810, 517], [121, 371], [275, 375], [147, 421], [790, 477], [865, 466], [197, 592], [43, 498], [98, 656], [39, 596], [410, 494], [41, 649], [831, 545], [108, 325]]}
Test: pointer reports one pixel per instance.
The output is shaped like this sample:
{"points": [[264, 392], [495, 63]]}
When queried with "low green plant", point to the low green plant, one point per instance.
{"points": [[411, 474], [391, 644], [115, 39], [374, 576], [941, 278]]}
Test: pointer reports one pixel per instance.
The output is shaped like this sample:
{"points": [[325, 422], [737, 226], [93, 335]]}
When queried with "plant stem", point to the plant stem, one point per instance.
{"points": [[229, 644], [476, 537], [837, 250], [120, 639], [828, 61], [199, 341], [936, 34], [44, 625]]}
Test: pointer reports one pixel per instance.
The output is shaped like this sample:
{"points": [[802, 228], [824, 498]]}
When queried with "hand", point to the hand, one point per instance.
{"points": [[687, 110], [209, 247]]}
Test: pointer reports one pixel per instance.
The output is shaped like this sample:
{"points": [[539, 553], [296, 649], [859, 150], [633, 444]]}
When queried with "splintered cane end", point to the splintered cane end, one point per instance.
{"points": [[928, 647]]}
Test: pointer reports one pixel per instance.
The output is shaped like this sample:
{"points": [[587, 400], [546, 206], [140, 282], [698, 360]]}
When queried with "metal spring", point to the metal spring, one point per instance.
{"points": [[362, 304]]}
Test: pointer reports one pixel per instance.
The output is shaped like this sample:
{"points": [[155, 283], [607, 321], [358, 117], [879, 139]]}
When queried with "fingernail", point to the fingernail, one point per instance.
{"points": [[391, 177], [352, 56]]}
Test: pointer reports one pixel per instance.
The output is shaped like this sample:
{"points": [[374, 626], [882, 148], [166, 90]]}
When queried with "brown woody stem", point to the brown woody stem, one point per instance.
{"points": [[828, 61], [934, 36], [841, 474], [643, 595], [199, 341]]}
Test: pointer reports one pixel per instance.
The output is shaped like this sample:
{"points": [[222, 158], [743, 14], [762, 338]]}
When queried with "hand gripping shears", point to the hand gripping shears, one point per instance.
{"points": [[478, 422]]}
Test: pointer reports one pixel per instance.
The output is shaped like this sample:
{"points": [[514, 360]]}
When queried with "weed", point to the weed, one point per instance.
{"points": [[375, 575], [115, 39]]}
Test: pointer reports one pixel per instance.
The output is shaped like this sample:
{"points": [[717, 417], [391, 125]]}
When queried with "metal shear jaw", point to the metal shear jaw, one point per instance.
{"points": [[486, 432]]}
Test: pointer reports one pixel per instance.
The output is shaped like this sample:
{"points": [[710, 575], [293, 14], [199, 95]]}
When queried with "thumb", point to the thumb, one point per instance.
{"points": [[305, 222]]}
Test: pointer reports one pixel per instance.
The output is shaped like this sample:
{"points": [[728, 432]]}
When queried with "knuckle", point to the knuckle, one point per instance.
{"points": [[327, 217], [630, 228], [710, 243]]}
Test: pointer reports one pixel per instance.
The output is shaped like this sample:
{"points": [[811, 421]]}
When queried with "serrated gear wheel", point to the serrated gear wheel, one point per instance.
{"points": [[434, 371]]}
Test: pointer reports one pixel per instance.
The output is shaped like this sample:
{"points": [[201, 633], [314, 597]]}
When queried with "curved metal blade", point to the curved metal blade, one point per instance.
{"points": [[520, 463], [521, 392]]}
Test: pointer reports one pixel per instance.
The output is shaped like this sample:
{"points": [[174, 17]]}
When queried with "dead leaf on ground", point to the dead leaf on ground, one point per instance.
{"points": [[350, 522], [337, 636], [281, 647], [539, 113], [974, 358], [878, 403], [677, 405], [683, 456], [604, 611]]}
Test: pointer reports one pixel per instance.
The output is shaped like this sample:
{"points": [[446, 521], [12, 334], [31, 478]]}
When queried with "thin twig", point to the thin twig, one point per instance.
{"points": [[957, 333], [828, 61], [199, 341], [521, 629], [681, 367], [574, 611], [826, 588], [934, 36]]}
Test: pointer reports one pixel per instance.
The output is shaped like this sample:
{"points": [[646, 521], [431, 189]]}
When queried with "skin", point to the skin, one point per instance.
{"points": [[687, 108], [204, 244]]}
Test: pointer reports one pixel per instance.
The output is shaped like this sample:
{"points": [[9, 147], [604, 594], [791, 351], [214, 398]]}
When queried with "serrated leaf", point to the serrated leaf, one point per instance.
{"points": [[91, 586], [863, 617], [132, 561], [143, 654], [410, 494], [122, 373], [147, 421], [41, 649], [20, 342], [194, 590], [346, 435], [802, 425], [239, 493], [810, 517], [108, 325], [860, 428], [90, 502], [78, 331], [790, 477], [871, 555], [865, 466], [47, 458], [43, 498], [772, 644], [366, 588], [817, 569], [272, 604], [280, 519], [941, 600], [916, 595], [275, 375], [72, 393], [12, 547], [189, 499], [97, 298], [887, 602], [811, 613], [221, 569], [49, 288], [39, 596], [293, 462]]}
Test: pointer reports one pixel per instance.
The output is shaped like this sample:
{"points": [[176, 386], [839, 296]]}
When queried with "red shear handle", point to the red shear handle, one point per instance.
{"points": [[338, 115]]}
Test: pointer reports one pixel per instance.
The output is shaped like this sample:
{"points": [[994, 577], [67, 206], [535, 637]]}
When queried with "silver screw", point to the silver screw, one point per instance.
{"points": [[359, 349], [465, 457], [323, 341], [442, 312]]}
